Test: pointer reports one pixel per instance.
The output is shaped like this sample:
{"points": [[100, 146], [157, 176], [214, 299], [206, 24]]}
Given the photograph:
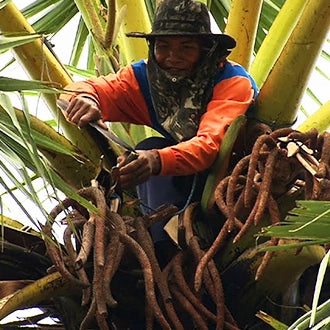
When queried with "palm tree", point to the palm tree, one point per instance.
{"points": [[50, 154]]}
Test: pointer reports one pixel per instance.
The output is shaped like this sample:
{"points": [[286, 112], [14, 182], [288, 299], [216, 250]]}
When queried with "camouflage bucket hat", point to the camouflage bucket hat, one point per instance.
{"points": [[183, 18]]}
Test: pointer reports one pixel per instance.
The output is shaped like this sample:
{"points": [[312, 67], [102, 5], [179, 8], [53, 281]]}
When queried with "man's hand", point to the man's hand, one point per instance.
{"points": [[139, 170], [82, 110]]}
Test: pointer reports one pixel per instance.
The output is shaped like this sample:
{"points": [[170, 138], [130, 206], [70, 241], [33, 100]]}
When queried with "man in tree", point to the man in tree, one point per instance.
{"points": [[187, 90]]}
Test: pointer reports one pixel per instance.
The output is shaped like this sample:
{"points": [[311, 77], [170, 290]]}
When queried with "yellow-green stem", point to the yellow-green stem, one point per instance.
{"points": [[136, 19], [319, 120], [242, 26], [275, 40], [281, 93]]}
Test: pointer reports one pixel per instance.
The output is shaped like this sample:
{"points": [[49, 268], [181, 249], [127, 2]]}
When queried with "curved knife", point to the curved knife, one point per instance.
{"points": [[63, 105]]}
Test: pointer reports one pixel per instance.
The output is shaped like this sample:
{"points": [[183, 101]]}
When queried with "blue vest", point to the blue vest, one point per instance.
{"points": [[228, 71]]}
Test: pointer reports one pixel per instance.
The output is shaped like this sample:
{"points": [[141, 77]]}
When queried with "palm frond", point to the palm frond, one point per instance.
{"points": [[8, 42], [308, 223]]}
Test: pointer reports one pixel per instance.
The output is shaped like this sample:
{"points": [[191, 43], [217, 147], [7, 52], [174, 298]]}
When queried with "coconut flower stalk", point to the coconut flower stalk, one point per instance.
{"points": [[281, 94], [242, 26], [276, 39]]}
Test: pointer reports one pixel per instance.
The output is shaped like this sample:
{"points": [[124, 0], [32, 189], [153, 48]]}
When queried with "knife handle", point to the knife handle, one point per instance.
{"points": [[131, 155]]}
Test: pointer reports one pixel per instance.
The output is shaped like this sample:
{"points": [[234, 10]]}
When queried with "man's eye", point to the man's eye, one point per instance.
{"points": [[189, 46]]}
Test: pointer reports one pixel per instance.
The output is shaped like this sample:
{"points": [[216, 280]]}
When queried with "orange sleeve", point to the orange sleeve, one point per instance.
{"points": [[118, 95], [231, 98]]}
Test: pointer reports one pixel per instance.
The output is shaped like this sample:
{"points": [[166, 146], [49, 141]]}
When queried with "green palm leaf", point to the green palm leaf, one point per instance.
{"points": [[8, 42], [309, 222]]}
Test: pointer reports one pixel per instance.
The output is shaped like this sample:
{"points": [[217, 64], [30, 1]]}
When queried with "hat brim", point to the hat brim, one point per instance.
{"points": [[227, 41]]}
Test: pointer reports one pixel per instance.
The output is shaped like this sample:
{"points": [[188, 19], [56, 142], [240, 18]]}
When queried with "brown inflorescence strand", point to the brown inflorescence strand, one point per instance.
{"points": [[115, 222], [261, 141], [325, 156], [274, 211], [148, 278], [71, 252], [99, 262], [149, 317], [98, 198], [192, 242], [231, 189], [198, 253], [67, 238], [52, 249], [209, 254], [187, 220], [102, 321], [319, 144], [145, 241], [248, 223], [81, 273], [309, 138], [113, 249], [219, 195], [239, 206], [99, 243], [275, 216], [63, 205], [86, 292], [313, 138], [114, 253], [322, 170], [184, 287], [309, 185], [265, 187], [264, 262], [55, 255], [281, 132], [211, 283], [219, 295], [199, 323], [86, 243], [89, 317]]}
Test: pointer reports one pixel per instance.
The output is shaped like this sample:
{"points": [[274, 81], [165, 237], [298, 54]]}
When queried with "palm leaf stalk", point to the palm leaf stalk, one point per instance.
{"points": [[318, 119], [41, 64], [35, 56], [276, 39], [22, 144], [242, 26], [281, 93], [59, 152], [136, 19], [100, 32], [52, 285]]}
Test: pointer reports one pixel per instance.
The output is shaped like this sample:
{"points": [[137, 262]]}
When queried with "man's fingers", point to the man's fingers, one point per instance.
{"points": [[82, 110], [130, 180], [102, 124], [135, 172], [130, 167]]}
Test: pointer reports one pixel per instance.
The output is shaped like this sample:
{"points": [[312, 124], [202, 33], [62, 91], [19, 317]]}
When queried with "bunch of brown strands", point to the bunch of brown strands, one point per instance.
{"points": [[281, 162], [170, 300], [189, 287]]}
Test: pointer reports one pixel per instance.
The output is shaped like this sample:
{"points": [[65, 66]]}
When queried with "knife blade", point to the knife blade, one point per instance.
{"points": [[63, 105]]}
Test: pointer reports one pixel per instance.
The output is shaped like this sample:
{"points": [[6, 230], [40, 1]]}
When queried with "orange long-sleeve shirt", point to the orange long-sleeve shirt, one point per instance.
{"points": [[122, 98]]}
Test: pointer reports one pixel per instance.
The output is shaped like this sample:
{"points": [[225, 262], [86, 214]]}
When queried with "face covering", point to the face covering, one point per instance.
{"points": [[179, 102]]}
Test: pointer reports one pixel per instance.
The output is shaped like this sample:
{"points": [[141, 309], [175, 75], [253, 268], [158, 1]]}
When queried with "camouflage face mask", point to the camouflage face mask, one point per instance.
{"points": [[179, 102]]}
